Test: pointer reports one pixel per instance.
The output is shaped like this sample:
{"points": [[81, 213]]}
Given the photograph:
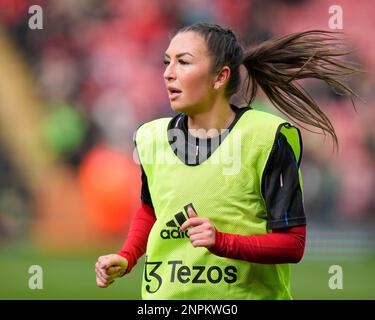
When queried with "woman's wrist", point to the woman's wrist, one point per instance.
{"points": [[217, 248]]}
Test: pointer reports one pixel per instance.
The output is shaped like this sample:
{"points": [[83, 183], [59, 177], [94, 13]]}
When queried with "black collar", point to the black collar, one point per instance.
{"points": [[192, 150]]}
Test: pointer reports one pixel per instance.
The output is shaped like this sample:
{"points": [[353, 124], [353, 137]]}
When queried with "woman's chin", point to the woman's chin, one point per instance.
{"points": [[178, 107], [186, 109]]}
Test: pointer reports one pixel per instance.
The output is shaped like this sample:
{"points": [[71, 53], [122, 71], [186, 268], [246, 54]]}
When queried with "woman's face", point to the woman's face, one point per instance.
{"points": [[188, 76]]}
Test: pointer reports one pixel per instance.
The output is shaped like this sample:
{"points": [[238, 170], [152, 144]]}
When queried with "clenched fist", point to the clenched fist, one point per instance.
{"points": [[108, 268]]}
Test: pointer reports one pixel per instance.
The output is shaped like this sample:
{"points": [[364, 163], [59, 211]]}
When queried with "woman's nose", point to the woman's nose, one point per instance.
{"points": [[169, 73]]}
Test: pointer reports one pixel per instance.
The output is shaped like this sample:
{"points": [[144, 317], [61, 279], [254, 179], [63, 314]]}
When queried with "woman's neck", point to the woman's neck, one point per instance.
{"points": [[212, 121]]}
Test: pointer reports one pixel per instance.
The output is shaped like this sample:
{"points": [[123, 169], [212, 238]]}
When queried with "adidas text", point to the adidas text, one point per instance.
{"points": [[173, 234]]}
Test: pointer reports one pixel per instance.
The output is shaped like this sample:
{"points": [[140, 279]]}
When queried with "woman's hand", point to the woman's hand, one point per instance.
{"points": [[108, 268], [202, 232]]}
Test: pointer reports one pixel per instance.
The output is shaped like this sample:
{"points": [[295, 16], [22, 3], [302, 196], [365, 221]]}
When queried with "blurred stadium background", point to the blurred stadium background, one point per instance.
{"points": [[71, 96]]}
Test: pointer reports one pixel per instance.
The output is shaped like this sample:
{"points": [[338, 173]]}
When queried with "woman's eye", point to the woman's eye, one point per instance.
{"points": [[183, 62], [166, 62]]}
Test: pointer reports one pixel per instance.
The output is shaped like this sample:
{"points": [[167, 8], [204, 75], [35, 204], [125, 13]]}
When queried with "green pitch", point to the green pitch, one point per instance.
{"points": [[73, 277]]}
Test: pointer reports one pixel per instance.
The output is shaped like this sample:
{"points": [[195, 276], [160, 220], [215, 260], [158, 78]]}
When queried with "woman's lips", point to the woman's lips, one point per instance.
{"points": [[174, 93]]}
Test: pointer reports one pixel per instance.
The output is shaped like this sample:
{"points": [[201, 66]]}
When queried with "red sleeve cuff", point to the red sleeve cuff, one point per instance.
{"points": [[282, 246]]}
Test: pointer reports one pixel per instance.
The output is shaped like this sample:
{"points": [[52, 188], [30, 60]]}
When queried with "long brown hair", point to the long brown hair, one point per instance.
{"points": [[276, 65]]}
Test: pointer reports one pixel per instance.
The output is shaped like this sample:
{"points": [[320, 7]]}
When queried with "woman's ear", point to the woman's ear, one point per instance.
{"points": [[222, 77]]}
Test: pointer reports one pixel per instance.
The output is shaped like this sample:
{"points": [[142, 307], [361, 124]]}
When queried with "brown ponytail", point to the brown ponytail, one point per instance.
{"points": [[276, 64]]}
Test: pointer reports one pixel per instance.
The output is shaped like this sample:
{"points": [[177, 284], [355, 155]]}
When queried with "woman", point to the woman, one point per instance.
{"points": [[222, 213]]}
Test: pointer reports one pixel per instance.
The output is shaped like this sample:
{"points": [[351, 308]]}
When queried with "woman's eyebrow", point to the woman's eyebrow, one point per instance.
{"points": [[179, 55]]}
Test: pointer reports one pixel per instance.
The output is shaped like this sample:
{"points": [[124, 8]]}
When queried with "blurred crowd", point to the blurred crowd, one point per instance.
{"points": [[97, 70]]}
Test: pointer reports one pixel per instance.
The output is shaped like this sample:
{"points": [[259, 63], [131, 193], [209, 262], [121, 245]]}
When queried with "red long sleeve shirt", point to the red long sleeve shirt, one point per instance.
{"points": [[284, 245]]}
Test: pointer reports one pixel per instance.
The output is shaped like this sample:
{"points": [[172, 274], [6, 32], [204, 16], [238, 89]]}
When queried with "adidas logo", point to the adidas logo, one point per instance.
{"points": [[174, 225]]}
